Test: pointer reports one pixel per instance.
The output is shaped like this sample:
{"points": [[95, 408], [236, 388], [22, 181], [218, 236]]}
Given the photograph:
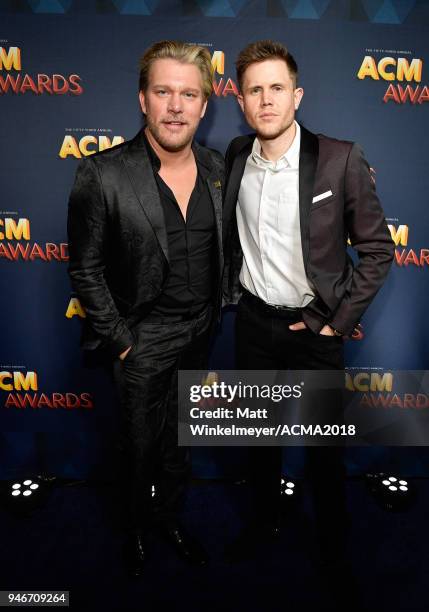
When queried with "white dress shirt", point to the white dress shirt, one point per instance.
{"points": [[269, 228]]}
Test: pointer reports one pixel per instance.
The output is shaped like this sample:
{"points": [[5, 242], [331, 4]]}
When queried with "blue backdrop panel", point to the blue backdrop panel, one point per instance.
{"points": [[68, 87]]}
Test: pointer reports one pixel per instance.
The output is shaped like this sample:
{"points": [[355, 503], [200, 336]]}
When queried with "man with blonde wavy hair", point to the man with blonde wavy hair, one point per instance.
{"points": [[146, 260]]}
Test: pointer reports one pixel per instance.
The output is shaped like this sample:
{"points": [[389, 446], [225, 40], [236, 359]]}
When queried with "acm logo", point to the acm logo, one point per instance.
{"points": [[14, 382], [73, 146], [18, 381], [396, 69], [21, 83]]}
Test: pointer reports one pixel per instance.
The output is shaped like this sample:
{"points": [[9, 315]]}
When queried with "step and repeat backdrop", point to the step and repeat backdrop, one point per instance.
{"points": [[68, 88]]}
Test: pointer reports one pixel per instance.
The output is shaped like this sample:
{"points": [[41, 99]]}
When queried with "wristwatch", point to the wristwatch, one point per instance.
{"points": [[337, 332]]}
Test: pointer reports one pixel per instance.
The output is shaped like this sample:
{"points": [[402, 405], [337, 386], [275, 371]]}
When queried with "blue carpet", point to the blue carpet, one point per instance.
{"points": [[74, 543]]}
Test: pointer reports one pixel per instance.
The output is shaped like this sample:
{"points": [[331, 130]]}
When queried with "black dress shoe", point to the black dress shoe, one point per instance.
{"points": [[186, 546], [250, 541], [135, 554]]}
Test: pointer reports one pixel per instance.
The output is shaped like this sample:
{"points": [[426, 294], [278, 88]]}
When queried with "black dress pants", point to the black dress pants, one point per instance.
{"points": [[148, 452], [265, 342]]}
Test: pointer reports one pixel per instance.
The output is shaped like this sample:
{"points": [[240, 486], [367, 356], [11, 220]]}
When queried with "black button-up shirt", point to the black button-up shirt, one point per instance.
{"points": [[191, 246]]}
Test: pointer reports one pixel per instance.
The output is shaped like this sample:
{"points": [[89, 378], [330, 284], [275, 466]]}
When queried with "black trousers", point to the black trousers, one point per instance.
{"points": [[265, 342], [148, 452]]}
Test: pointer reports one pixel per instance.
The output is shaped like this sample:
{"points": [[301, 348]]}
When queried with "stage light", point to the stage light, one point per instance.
{"points": [[287, 487], [391, 492], [22, 497], [289, 491]]}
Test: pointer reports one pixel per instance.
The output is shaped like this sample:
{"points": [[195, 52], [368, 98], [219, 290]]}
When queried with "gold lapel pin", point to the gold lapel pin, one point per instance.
{"points": [[217, 184]]}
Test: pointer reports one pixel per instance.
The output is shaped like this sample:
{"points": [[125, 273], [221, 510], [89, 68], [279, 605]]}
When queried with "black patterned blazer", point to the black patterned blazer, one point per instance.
{"points": [[118, 244]]}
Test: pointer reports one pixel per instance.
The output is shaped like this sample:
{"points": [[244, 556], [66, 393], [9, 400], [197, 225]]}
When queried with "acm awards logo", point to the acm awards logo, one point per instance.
{"points": [[403, 255], [399, 69], [23, 392], [21, 83], [16, 244], [377, 389], [81, 142], [222, 86]]}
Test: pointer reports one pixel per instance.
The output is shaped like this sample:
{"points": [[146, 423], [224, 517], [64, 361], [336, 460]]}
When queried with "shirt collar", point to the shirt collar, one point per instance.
{"points": [[290, 159]]}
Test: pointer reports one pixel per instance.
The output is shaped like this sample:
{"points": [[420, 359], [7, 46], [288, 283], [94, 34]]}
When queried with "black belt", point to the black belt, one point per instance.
{"points": [[271, 309]]}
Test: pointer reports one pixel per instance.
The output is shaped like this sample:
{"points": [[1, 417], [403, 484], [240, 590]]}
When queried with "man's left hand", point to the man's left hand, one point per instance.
{"points": [[325, 331]]}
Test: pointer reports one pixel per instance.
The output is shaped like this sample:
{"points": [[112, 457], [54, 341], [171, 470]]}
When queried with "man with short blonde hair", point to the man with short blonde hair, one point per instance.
{"points": [[145, 260], [183, 53]]}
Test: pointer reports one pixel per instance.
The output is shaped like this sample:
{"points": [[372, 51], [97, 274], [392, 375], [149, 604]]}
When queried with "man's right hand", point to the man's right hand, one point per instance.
{"points": [[125, 353]]}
